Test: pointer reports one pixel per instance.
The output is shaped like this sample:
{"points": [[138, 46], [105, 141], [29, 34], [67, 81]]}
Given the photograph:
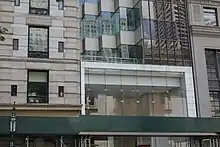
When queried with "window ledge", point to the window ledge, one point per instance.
{"points": [[44, 20], [44, 107]]}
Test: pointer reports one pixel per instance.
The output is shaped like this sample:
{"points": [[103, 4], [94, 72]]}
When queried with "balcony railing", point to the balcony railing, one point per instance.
{"points": [[37, 54], [37, 99], [110, 59]]}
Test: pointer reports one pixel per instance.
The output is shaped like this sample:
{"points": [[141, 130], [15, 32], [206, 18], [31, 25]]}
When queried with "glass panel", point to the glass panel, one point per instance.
{"points": [[149, 29], [105, 23], [211, 64], [215, 102], [121, 92], [37, 76], [38, 39], [40, 4], [137, 15], [115, 22], [37, 92], [210, 16], [90, 26]]}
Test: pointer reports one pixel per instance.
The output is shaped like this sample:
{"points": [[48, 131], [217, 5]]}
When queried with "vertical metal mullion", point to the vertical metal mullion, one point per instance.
{"points": [[217, 65], [158, 34], [173, 30], [180, 30], [106, 91], [218, 75], [164, 22], [150, 32]]}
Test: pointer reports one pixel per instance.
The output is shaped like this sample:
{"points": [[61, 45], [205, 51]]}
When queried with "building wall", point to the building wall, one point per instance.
{"points": [[202, 37], [63, 66]]}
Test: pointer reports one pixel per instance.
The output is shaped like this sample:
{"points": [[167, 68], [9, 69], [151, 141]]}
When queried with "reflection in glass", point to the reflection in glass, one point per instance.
{"points": [[39, 4], [112, 92], [40, 7], [131, 53], [38, 40], [210, 16], [89, 26], [149, 29], [105, 23], [37, 87], [212, 65]]}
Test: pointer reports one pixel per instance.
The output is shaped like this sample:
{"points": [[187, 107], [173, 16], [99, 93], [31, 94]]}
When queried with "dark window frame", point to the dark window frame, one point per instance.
{"points": [[39, 9], [61, 3], [214, 70], [15, 44], [60, 46], [36, 54], [60, 91], [17, 2], [47, 84], [14, 90], [216, 14]]}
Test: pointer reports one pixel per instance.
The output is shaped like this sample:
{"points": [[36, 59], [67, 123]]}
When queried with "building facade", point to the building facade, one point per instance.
{"points": [[39, 59], [109, 73], [204, 21], [136, 58], [136, 61]]}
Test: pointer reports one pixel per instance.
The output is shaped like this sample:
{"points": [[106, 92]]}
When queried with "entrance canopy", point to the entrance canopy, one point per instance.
{"points": [[113, 125]]}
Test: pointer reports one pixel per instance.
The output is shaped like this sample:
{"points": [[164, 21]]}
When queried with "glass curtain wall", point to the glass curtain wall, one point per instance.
{"points": [[163, 23], [166, 32], [133, 93]]}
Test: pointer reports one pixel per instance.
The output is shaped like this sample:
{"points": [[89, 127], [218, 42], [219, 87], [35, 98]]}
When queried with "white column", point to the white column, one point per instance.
{"points": [[83, 101]]}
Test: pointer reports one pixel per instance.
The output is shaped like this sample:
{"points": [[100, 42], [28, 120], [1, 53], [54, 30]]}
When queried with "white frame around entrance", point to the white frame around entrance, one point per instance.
{"points": [[187, 72]]}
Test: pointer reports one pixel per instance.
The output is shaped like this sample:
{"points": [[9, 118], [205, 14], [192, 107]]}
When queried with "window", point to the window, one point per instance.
{"points": [[13, 90], [60, 46], [15, 44], [17, 2], [38, 42], [61, 5], [212, 69], [37, 87], [210, 16], [61, 91], [212, 65], [89, 26], [40, 7], [106, 27]]}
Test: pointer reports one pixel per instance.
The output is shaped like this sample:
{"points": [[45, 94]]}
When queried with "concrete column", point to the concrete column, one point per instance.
{"points": [[110, 141], [159, 142]]}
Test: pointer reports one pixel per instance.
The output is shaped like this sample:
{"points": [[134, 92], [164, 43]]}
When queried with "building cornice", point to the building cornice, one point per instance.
{"points": [[205, 2], [41, 107], [39, 60], [205, 31]]}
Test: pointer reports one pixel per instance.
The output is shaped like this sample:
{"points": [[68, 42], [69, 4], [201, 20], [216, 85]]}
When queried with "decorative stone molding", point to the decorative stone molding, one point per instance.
{"points": [[43, 107], [205, 30], [38, 20], [205, 2]]}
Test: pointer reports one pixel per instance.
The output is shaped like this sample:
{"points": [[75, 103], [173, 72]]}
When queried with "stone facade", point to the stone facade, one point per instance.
{"points": [[203, 37], [63, 67]]}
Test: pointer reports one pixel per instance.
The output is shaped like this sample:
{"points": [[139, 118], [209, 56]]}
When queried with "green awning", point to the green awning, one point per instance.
{"points": [[48, 125], [148, 125], [4, 125], [58, 126]]}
